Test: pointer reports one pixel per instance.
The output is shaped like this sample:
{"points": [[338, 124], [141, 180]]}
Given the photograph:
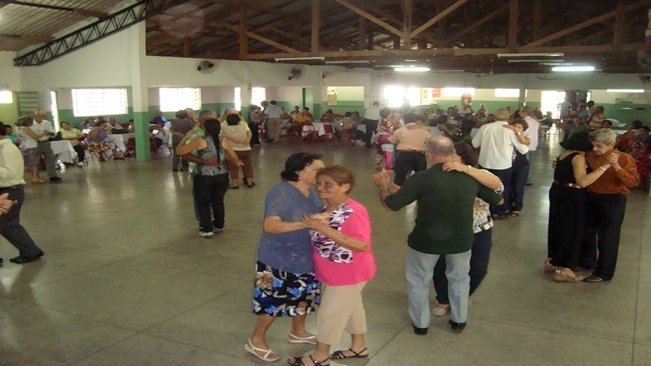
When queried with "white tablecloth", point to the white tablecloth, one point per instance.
{"points": [[63, 150], [318, 126], [121, 139]]}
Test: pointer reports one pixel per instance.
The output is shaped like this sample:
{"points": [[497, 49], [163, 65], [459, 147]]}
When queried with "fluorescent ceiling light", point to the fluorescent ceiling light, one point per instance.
{"points": [[411, 69], [575, 68], [530, 60], [309, 58], [624, 90], [448, 70], [335, 62], [539, 54]]}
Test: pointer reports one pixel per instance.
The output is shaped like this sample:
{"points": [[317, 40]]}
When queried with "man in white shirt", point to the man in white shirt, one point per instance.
{"points": [[533, 132], [496, 155], [371, 119], [12, 168], [273, 113], [43, 126]]}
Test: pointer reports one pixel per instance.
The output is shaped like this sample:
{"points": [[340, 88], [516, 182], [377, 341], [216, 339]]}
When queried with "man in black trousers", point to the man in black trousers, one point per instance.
{"points": [[12, 168]]}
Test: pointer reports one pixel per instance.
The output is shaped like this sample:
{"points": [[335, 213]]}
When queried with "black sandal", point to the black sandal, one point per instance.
{"points": [[340, 355], [298, 361]]}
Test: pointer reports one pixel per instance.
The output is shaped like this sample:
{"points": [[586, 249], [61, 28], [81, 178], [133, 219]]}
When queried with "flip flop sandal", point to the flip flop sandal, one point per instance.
{"points": [[340, 355], [263, 354]]}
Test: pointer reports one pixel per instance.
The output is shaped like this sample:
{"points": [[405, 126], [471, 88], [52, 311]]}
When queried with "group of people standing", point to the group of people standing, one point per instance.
{"points": [[316, 249]]}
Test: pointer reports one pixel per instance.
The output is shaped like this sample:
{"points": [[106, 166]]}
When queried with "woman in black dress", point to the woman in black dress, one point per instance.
{"points": [[567, 208]]}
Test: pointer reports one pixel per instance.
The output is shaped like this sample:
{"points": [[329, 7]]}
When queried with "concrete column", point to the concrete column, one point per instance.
{"points": [[245, 97], [521, 98], [139, 92]]}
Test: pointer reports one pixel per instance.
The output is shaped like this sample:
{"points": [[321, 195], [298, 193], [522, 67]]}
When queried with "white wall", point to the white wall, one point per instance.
{"points": [[9, 74], [108, 63]]}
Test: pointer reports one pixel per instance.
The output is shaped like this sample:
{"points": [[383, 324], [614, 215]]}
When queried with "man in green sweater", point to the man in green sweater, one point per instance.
{"points": [[443, 227]]}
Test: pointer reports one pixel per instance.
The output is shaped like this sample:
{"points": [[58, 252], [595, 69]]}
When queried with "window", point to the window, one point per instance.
{"points": [[457, 92], [398, 96], [175, 99], [99, 102], [507, 93], [6, 97], [257, 96]]}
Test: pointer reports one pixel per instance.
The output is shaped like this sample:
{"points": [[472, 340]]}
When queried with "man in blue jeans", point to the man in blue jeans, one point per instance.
{"points": [[443, 228]]}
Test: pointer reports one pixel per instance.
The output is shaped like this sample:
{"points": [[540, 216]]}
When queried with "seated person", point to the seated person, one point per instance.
{"points": [[9, 135], [305, 117], [115, 126], [159, 119], [158, 136], [350, 128], [99, 141], [72, 135]]}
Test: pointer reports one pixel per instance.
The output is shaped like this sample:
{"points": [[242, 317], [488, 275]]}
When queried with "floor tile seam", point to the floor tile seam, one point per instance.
{"points": [[192, 308], [40, 285], [185, 269], [525, 325], [90, 354], [637, 292], [191, 345], [49, 308]]}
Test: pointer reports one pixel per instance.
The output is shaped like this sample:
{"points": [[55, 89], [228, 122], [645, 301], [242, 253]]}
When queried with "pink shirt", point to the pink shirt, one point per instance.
{"points": [[363, 267]]}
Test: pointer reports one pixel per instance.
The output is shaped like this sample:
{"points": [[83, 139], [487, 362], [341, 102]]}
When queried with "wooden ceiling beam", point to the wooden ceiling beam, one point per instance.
{"points": [[370, 17], [478, 23], [513, 23], [243, 39], [407, 7], [586, 24], [431, 52], [262, 39], [29, 38], [316, 23], [438, 17]]}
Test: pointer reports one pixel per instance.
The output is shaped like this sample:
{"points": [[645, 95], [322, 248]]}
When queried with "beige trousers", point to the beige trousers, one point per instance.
{"points": [[341, 309]]}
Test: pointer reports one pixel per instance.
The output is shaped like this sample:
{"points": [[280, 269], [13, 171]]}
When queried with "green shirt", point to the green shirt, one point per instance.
{"points": [[198, 132], [444, 214]]}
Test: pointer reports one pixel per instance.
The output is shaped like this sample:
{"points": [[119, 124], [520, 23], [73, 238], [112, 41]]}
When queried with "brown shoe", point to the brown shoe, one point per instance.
{"points": [[566, 275]]}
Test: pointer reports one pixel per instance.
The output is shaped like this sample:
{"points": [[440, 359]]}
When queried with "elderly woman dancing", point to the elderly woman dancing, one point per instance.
{"points": [[606, 204], [285, 284], [344, 263]]}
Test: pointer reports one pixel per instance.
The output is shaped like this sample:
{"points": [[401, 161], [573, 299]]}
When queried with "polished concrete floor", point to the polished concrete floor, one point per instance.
{"points": [[126, 280]]}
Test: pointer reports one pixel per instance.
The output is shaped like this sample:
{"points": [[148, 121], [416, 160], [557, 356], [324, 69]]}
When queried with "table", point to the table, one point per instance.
{"points": [[120, 140], [63, 150]]}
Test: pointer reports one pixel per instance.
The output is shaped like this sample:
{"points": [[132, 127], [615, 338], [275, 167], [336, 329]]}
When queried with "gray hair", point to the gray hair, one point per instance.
{"points": [[604, 135], [441, 146]]}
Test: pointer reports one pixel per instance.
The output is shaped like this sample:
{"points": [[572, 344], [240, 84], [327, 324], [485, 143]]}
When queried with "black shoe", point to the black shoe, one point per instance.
{"points": [[420, 331], [175, 170], [1, 260], [457, 327], [55, 179], [23, 260]]}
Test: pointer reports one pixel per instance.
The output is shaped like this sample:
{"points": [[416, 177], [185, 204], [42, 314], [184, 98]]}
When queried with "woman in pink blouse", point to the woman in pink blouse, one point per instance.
{"points": [[344, 263]]}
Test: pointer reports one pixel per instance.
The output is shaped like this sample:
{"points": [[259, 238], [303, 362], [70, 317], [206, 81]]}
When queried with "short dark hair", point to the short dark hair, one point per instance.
{"points": [[636, 124], [385, 112], [466, 152], [410, 117], [521, 122], [579, 141], [296, 163], [3, 129], [182, 114]]}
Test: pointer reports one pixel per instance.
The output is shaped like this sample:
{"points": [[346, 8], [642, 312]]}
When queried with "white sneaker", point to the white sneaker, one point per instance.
{"points": [[441, 309], [206, 234]]}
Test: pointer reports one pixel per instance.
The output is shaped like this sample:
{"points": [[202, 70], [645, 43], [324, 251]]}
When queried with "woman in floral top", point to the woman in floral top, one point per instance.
{"points": [[344, 263]]}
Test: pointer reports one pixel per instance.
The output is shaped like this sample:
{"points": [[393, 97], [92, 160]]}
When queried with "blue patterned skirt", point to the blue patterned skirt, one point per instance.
{"points": [[280, 293]]}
